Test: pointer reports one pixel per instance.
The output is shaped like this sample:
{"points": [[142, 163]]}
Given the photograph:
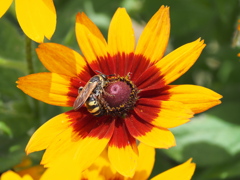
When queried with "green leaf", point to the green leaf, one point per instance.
{"points": [[206, 135], [12, 41], [20, 66], [224, 171], [211, 141], [12, 151], [5, 129]]}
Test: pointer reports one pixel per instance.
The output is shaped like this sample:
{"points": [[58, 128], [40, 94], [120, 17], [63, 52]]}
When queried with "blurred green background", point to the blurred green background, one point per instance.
{"points": [[211, 138]]}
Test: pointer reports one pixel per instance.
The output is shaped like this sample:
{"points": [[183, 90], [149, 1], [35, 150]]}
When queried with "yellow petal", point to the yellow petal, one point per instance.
{"points": [[69, 157], [62, 170], [10, 175], [68, 169], [61, 59], [70, 150], [35, 172], [123, 159], [154, 39], [101, 169], [92, 174], [27, 177], [82, 142], [149, 134], [5, 4], [82, 152], [90, 148], [167, 114], [180, 60], [44, 135], [181, 172], [197, 98], [60, 147], [90, 39], [173, 114], [121, 35], [50, 88], [158, 138], [37, 18], [145, 163]]}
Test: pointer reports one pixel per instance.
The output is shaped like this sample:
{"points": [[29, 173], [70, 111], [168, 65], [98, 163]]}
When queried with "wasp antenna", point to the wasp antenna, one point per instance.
{"points": [[104, 74], [99, 72]]}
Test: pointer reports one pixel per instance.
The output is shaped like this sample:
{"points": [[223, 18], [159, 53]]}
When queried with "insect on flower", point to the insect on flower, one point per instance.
{"points": [[89, 93], [93, 106], [138, 104]]}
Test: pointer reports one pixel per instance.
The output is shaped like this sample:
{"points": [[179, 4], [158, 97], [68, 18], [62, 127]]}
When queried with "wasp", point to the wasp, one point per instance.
{"points": [[89, 93], [93, 106]]}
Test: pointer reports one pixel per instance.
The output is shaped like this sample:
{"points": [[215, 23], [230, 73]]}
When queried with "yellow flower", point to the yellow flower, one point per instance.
{"points": [[10, 175], [135, 104], [181, 172], [37, 18], [34, 171], [26, 173], [102, 169]]}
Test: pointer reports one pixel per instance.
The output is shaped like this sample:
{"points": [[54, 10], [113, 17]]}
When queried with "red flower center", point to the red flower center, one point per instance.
{"points": [[117, 93], [119, 96]]}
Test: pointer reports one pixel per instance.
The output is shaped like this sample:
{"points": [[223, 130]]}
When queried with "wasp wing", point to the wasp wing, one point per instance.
{"points": [[84, 94]]}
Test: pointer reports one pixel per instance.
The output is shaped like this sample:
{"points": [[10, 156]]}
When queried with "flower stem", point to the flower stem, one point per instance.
{"points": [[30, 68], [29, 55]]}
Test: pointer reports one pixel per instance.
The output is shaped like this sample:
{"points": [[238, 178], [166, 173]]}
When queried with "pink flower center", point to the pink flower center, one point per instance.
{"points": [[118, 97], [117, 93]]}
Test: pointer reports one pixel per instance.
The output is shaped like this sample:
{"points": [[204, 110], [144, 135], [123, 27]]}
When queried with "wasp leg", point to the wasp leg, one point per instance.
{"points": [[128, 76], [107, 94]]}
